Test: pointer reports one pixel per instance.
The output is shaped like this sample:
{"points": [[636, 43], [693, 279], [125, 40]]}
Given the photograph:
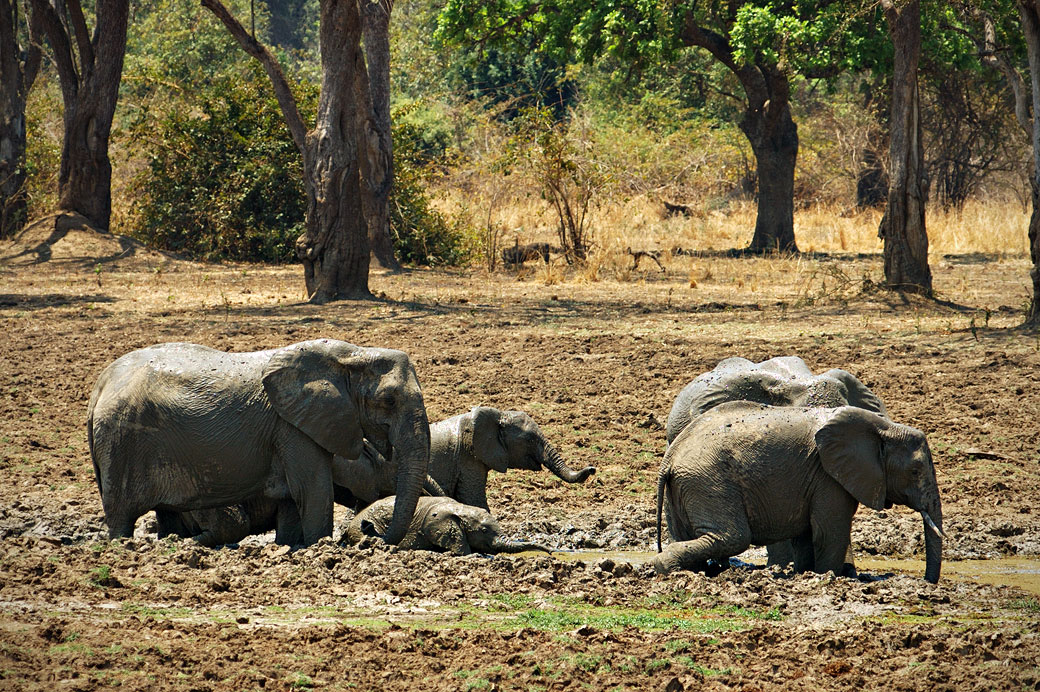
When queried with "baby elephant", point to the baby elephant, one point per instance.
{"points": [[745, 473], [463, 449], [439, 524]]}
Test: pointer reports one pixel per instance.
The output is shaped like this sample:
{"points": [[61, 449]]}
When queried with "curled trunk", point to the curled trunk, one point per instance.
{"points": [[410, 442], [555, 463], [502, 546]]}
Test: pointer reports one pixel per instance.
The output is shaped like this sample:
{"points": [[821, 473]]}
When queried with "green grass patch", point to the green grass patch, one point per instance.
{"points": [[615, 619]]}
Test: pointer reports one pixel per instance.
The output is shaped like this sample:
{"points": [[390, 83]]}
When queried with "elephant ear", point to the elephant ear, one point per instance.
{"points": [[308, 386], [488, 446], [448, 533], [849, 444], [859, 395]]}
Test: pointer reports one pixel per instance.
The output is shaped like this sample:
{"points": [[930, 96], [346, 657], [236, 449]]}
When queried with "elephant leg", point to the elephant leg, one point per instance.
{"points": [[831, 520], [171, 523], [803, 554], [288, 529], [222, 526], [779, 554], [121, 519], [308, 474]]}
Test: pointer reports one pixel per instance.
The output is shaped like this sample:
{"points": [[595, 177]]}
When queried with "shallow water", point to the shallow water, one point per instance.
{"points": [[1021, 572]]}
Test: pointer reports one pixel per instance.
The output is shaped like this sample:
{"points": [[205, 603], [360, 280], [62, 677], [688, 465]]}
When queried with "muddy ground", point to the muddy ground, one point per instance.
{"points": [[596, 361]]}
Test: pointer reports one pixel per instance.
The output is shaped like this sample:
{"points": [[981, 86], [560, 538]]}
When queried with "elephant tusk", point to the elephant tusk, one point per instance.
{"points": [[931, 524]]}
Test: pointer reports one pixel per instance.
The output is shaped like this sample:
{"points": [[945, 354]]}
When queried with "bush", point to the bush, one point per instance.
{"points": [[421, 234], [224, 181]]}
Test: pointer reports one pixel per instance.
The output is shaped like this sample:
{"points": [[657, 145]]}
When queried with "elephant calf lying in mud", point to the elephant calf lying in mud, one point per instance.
{"points": [[439, 524], [744, 473], [463, 449]]}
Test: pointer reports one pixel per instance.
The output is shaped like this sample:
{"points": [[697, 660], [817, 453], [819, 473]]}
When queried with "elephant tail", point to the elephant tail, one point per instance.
{"points": [[662, 482]]}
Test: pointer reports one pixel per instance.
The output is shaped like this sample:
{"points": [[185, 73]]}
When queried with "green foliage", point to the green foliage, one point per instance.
{"points": [[224, 181], [421, 234]]}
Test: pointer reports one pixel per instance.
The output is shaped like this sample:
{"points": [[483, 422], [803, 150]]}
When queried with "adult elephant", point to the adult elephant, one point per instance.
{"points": [[180, 427], [783, 381], [744, 473], [463, 449], [439, 524]]}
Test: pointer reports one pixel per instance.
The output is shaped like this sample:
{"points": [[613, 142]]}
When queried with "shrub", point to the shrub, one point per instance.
{"points": [[421, 234], [224, 181]]}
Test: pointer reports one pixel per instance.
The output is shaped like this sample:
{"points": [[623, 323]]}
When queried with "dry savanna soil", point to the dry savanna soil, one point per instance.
{"points": [[596, 361]]}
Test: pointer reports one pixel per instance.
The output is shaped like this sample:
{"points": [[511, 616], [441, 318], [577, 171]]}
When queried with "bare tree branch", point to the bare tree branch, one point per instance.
{"points": [[82, 36], [282, 92]]}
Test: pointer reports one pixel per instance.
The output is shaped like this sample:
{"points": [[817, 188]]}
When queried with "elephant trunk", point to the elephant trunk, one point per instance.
{"points": [[933, 540], [555, 463], [410, 444], [500, 545]]}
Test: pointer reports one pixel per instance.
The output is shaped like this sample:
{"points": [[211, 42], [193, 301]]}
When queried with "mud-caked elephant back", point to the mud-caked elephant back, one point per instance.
{"points": [[857, 393], [308, 385], [850, 448]]}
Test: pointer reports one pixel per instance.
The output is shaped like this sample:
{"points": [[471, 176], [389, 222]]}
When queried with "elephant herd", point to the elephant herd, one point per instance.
{"points": [[225, 445]]}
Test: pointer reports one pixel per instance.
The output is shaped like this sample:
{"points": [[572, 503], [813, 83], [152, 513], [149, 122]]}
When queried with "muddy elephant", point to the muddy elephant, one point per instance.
{"points": [[745, 473], [783, 381], [463, 449], [440, 524], [180, 427]]}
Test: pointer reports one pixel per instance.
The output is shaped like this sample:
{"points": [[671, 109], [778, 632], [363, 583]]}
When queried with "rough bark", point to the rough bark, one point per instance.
{"points": [[902, 228], [334, 246], [89, 69], [772, 132], [18, 68], [377, 163], [1029, 11]]}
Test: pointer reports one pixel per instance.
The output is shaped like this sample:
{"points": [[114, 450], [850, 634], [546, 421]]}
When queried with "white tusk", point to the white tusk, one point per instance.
{"points": [[931, 524]]}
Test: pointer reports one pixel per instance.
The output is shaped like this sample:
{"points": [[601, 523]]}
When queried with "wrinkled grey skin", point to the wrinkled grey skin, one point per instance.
{"points": [[781, 381], [744, 474], [463, 449], [223, 525], [180, 427], [440, 524]]}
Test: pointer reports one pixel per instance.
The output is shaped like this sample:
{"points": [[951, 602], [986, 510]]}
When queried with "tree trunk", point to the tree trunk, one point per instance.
{"points": [[774, 141], [18, 69], [1029, 10], [377, 165], [334, 248], [773, 135], [902, 227], [334, 245], [89, 76]]}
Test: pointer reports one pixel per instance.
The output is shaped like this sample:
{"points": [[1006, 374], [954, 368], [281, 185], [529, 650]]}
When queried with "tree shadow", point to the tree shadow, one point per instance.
{"points": [[48, 300]]}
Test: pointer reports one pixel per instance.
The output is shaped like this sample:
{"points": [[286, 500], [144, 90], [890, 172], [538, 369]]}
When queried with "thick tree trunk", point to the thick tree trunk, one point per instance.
{"points": [[1029, 11], [89, 76], [18, 69], [334, 248], [377, 164], [902, 227], [774, 141], [334, 245], [85, 176], [773, 135], [13, 207]]}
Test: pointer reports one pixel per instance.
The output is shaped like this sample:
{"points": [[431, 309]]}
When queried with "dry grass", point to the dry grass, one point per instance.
{"points": [[993, 228]]}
